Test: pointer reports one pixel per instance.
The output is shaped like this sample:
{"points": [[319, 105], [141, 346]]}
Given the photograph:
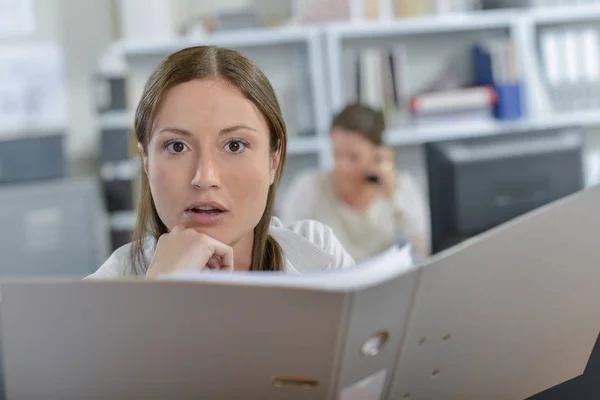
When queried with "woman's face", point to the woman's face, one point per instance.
{"points": [[209, 162], [353, 157]]}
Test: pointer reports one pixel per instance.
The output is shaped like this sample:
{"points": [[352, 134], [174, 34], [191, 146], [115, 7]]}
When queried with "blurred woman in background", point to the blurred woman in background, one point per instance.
{"points": [[368, 203]]}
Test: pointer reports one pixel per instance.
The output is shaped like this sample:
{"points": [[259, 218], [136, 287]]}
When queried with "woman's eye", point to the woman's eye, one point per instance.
{"points": [[235, 146], [176, 147]]}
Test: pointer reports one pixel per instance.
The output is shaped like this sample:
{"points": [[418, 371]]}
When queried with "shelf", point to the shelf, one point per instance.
{"points": [[467, 21], [455, 22], [434, 133], [565, 14], [32, 131], [304, 145], [257, 37], [470, 21]]}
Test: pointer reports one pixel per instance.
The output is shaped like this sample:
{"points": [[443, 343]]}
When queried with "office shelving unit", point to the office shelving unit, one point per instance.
{"points": [[429, 39], [409, 136], [521, 25], [576, 13], [309, 99]]}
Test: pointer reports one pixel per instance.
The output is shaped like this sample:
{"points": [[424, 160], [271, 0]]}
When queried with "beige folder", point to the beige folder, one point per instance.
{"points": [[503, 316]]}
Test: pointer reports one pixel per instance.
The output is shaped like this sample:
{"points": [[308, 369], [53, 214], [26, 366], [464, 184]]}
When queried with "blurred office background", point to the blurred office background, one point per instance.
{"points": [[492, 106]]}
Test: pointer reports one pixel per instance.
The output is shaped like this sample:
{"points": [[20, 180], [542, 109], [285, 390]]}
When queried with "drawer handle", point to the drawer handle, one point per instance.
{"points": [[300, 382]]}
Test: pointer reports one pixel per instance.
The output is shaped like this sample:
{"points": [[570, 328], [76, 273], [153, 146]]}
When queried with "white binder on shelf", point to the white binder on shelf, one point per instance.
{"points": [[505, 315]]}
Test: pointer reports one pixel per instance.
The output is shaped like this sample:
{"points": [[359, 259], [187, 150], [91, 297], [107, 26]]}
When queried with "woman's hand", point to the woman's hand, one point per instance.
{"points": [[185, 249], [386, 163]]}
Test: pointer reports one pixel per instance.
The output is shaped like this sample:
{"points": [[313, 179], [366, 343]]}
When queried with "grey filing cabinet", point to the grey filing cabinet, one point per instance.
{"points": [[52, 228], [32, 157]]}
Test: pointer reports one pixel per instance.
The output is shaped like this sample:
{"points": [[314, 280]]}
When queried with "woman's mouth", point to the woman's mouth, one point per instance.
{"points": [[206, 210], [210, 213]]}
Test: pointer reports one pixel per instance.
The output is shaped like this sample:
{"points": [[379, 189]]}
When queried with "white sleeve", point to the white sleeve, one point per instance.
{"points": [[326, 239], [321, 236], [298, 201], [112, 268], [116, 266], [412, 207]]}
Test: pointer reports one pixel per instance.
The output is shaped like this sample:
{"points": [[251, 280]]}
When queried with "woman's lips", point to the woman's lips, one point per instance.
{"points": [[206, 217]]}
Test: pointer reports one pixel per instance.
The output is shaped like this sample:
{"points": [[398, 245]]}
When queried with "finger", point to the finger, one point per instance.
{"points": [[177, 228], [227, 269], [214, 263], [224, 252], [216, 248]]}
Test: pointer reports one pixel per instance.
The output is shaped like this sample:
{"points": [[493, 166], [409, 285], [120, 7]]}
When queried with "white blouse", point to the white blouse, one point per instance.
{"points": [[308, 246]]}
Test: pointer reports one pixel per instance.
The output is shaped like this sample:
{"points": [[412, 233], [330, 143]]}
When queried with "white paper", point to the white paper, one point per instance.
{"points": [[16, 17], [392, 263], [370, 388], [33, 89]]}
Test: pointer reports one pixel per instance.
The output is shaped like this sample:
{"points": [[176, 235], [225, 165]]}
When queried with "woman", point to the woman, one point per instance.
{"points": [[213, 141], [368, 204]]}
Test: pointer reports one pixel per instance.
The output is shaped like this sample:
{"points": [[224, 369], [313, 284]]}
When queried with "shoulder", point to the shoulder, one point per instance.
{"points": [[298, 200], [310, 246], [118, 265], [408, 193], [406, 181]]}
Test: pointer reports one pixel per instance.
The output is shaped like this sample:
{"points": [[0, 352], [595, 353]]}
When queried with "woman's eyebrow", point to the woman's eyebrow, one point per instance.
{"points": [[176, 130], [224, 131], [234, 128]]}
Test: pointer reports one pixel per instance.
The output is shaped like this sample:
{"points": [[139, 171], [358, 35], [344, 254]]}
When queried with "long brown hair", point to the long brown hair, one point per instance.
{"points": [[199, 63]]}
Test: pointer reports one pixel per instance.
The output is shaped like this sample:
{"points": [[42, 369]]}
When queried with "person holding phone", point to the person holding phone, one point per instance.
{"points": [[368, 203], [213, 143]]}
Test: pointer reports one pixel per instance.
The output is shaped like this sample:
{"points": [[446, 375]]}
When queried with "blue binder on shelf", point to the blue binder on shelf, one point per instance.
{"points": [[503, 79]]}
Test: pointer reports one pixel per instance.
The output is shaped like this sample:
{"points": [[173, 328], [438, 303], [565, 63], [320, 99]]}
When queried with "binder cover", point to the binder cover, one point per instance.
{"points": [[505, 315]]}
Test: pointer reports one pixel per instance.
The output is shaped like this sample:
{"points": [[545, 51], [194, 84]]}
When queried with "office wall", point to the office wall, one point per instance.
{"points": [[86, 31], [84, 28]]}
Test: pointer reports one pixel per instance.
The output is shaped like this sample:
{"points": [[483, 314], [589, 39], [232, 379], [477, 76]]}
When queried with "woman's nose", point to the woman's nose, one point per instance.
{"points": [[207, 173]]}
